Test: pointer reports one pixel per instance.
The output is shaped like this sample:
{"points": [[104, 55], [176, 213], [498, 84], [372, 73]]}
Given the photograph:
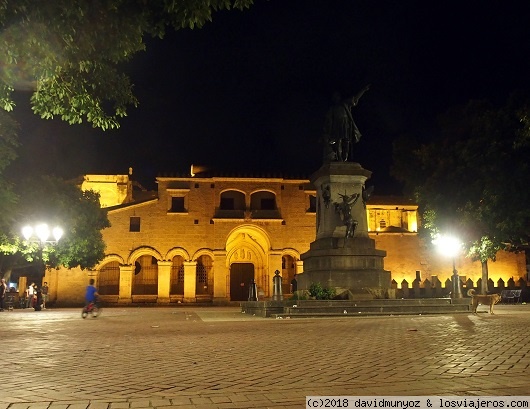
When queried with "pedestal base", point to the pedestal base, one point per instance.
{"points": [[351, 265]]}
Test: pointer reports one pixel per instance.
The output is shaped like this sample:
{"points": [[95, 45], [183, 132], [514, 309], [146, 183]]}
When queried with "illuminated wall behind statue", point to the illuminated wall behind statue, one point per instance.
{"points": [[271, 219]]}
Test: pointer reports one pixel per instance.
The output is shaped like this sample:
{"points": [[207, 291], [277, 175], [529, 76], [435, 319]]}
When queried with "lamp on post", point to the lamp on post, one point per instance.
{"points": [[450, 246], [42, 233]]}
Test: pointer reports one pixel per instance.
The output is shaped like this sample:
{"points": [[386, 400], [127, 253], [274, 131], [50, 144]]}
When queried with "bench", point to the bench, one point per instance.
{"points": [[511, 296]]}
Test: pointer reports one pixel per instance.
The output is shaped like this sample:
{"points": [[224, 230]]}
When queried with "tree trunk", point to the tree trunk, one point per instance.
{"points": [[484, 284]]}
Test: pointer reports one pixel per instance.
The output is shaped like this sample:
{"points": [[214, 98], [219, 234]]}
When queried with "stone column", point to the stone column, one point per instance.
{"points": [[220, 277], [299, 267], [126, 280], [164, 281], [190, 281]]}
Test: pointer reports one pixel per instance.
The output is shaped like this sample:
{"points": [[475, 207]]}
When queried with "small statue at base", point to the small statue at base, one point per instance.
{"points": [[344, 209]]}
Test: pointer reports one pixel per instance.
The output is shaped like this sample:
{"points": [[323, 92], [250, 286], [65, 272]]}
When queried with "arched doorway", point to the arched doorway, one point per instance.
{"points": [[248, 245], [145, 280], [241, 274], [109, 279], [288, 271], [176, 286], [203, 276]]}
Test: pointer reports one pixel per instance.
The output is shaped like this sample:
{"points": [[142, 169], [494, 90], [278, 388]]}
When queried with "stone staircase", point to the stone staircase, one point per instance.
{"points": [[355, 308]]}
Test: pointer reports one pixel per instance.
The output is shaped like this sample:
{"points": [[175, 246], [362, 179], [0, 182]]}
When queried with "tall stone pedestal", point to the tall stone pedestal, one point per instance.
{"points": [[341, 259]]}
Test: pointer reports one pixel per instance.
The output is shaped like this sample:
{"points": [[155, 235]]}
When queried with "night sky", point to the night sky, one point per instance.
{"points": [[249, 92]]}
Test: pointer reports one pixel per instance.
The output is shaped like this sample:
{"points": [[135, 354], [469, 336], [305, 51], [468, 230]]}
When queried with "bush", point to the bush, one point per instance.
{"points": [[317, 291]]}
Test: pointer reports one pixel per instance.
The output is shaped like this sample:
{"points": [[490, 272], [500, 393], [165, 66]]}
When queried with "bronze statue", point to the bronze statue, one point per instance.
{"points": [[344, 209], [340, 131]]}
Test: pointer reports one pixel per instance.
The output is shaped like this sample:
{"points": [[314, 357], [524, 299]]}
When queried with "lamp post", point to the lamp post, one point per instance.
{"points": [[41, 234], [450, 246]]}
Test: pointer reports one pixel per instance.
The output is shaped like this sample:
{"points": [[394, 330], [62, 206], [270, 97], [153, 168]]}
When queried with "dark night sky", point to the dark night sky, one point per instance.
{"points": [[250, 90]]}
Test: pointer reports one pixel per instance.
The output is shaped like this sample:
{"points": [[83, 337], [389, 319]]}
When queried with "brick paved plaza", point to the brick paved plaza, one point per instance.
{"points": [[192, 357]]}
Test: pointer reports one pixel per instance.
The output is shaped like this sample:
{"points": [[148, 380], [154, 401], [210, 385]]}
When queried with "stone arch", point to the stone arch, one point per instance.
{"points": [[264, 189], [203, 252], [290, 257], [259, 195], [109, 275], [250, 244], [291, 252], [145, 278], [143, 251], [109, 258], [177, 251]]}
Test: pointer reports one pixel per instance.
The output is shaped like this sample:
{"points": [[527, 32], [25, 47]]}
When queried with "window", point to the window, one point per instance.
{"points": [[177, 204], [232, 200], [227, 203], [263, 200], [268, 203], [134, 224], [178, 200], [312, 204]]}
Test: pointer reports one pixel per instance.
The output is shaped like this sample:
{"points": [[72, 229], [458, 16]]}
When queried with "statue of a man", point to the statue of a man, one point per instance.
{"points": [[340, 131]]}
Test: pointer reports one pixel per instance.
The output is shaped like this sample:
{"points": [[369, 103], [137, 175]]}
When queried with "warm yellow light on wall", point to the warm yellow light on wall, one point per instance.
{"points": [[413, 221]]}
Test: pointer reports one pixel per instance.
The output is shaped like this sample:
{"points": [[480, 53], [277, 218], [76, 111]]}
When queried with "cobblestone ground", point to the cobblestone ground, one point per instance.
{"points": [[189, 357]]}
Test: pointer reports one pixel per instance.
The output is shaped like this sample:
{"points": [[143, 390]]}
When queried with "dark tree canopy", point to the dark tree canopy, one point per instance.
{"points": [[474, 179], [69, 51]]}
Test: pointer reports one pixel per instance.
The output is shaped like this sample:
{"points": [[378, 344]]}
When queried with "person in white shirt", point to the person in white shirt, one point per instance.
{"points": [[30, 292]]}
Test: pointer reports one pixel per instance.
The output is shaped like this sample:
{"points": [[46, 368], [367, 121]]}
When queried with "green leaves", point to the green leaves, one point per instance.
{"points": [[51, 200], [69, 51]]}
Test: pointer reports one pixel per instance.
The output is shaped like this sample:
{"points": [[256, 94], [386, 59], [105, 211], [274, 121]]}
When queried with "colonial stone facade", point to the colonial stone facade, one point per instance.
{"points": [[202, 239]]}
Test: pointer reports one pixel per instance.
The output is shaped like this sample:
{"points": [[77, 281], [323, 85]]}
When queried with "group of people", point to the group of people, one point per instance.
{"points": [[36, 297]]}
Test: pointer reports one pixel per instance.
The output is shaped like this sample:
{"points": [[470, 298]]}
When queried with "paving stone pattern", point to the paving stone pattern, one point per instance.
{"points": [[188, 357]]}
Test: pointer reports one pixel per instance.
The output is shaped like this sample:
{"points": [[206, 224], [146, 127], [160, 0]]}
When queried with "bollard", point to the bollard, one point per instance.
{"points": [[252, 291], [277, 287]]}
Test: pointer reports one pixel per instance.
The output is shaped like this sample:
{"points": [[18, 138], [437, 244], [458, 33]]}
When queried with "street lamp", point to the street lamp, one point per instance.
{"points": [[42, 232], [450, 246]]}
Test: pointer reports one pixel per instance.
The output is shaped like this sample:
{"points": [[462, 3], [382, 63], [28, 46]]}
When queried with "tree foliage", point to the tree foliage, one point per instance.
{"points": [[69, 51], [56, 202], [473, 180], [8, 145]]}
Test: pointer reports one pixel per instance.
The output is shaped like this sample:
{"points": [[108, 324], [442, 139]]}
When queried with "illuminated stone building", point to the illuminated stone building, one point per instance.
{"points": [[203, 239]]}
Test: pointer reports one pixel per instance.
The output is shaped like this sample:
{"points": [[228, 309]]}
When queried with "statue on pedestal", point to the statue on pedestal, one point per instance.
{"points": [[340, 131]]}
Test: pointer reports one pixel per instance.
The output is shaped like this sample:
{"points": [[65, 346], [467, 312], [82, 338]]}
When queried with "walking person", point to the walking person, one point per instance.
{"points": [[44, 291]]}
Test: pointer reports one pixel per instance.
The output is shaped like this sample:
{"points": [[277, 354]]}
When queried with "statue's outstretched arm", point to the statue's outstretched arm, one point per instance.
{"points": [[357, 97]]}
